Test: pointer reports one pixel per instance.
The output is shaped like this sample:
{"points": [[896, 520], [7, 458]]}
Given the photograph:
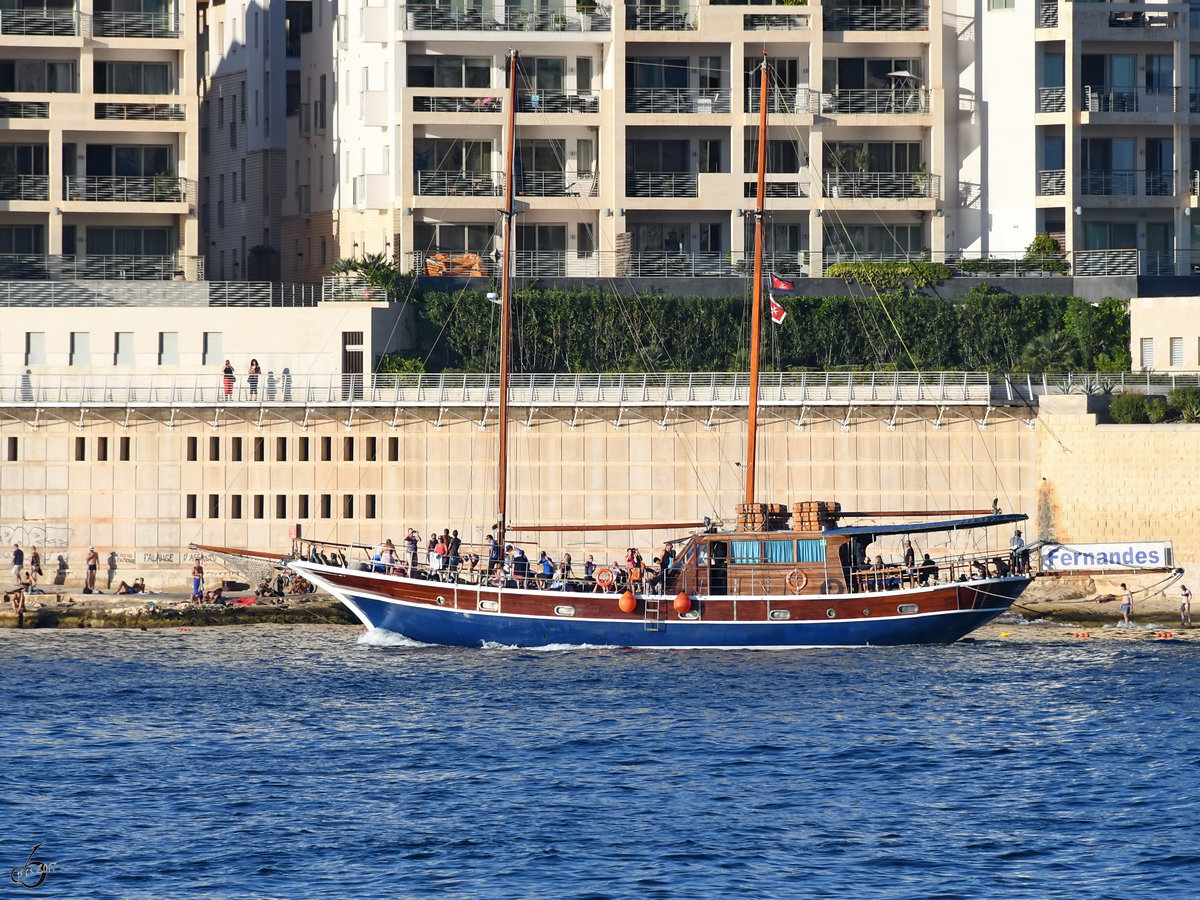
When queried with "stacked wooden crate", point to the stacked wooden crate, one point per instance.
{"points": [[813, 515], [762, 516]]}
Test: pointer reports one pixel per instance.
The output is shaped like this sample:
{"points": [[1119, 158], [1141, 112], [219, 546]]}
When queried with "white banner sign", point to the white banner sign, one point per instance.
{"points": [[1113, 555]]}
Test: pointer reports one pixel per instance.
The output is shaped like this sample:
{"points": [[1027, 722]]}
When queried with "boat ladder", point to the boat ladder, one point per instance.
{"points": [[653, 618]]}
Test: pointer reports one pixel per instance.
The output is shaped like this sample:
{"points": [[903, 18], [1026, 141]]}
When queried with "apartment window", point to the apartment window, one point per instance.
{"points": [[393, 449], [81, 348], [80, 449], [281, 449], [369, 506], [35, 348], [214, 506], [235, 506], [101, 449], [281, 506], [583, 74], [168, 348], [1147, 353], [123, 348], [348, 449], [347, 506], [12, 449], [327, 506], [326, 449], [38, 76], [1000, 4], [710, 155], [302, 506], [260, 449], [371, 449], [235, 450], [193, 449], [1177, 351], [190, 506], [213, 348], [132, 78], [243, 193], [214, 449], [260, 503], [302, 450], [126, 449]]}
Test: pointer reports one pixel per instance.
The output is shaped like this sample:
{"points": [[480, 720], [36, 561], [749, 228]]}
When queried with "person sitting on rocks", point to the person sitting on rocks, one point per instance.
{"points": [[138, 587]]}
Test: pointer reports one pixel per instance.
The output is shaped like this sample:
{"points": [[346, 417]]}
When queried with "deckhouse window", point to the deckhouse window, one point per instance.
{"points": [[812, 551], [781, 551], [745, 551]]}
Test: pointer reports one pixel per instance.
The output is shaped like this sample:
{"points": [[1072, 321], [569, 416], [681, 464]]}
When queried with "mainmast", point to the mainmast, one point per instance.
{"points": [[506, 300], [756, 314]]}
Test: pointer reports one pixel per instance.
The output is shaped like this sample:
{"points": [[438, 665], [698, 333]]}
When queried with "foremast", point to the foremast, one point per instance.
{"points": [[756, 311], [508, 213]]}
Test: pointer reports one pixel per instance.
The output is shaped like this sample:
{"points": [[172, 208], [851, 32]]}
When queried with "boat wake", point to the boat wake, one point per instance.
{"points": [[379, 637]]}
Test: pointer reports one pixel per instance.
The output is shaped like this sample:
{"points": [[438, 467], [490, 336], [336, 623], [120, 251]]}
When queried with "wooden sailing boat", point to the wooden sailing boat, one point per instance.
{"points": [[770, 582]]}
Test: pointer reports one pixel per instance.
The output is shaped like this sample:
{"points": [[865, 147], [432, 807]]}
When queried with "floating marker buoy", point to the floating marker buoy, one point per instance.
{"points": [[1005, 634], [683, 603], [628, 602]]}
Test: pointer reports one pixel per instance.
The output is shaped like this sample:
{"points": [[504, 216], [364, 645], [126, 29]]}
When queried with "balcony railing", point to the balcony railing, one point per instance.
{"points": [[13, 109], [904, 101], [852, 17], [507, 18], [661, 184], [781, 190], [1126, 183], [787, 100], [1052, 100], [882, 185], [1105, 99], [128, 189], [676, 100], [467, 104], [15, 267], [659, 18], [24, 187], [447, 183], [1052, 182], [557, 102], [141, 112], [766, 22], [1142, 19], [137, 24], [39, 22]]}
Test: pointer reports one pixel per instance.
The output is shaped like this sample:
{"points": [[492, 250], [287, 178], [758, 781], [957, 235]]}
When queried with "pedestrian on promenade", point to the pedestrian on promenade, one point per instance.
{"points": [[18, 560], [1185, 606], [197, 581], [1126, 604], [35, 565], [228, 379], [93, 563]]}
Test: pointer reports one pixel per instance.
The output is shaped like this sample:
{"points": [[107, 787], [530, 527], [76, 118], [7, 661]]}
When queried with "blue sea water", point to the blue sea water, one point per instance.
{"points": [[296, 762]]}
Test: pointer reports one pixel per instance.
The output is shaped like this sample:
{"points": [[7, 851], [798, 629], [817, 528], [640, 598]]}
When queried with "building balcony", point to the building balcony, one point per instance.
{"points": [[659, 18], [676, 100], [787, 100], [15, 109], [854, 17], [464, 103], [1051, 182], [1126, 183], [24, 187], [1104, 99], [662, 184], [141, 112], [449, 183], [557, 102], [777, 188], [772, 22], [580, 18], [904, 101], [882, 185], [128, 188], [1052, 100], [39, 22], [137, 25], [119, 267]]}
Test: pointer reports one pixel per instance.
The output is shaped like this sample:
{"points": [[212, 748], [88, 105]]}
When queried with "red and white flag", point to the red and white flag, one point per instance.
{"points": [[781, 284], [778, 313]]}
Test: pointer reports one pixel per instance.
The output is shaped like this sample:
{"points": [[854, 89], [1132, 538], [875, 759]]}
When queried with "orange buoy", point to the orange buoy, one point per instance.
{"points": [[683, 603], [628, 602]]}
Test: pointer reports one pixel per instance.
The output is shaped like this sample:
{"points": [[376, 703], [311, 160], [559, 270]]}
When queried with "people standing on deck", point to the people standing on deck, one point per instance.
{"points": [[493, 562], [227, 380], [589, 571], [1018, 555], [1185, 606], [255, 371], [454, 549], [910, 562], [411, 543], [928, 571]]}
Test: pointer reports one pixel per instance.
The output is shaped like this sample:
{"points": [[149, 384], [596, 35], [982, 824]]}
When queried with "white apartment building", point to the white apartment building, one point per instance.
{"points": [[99, 153]]}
